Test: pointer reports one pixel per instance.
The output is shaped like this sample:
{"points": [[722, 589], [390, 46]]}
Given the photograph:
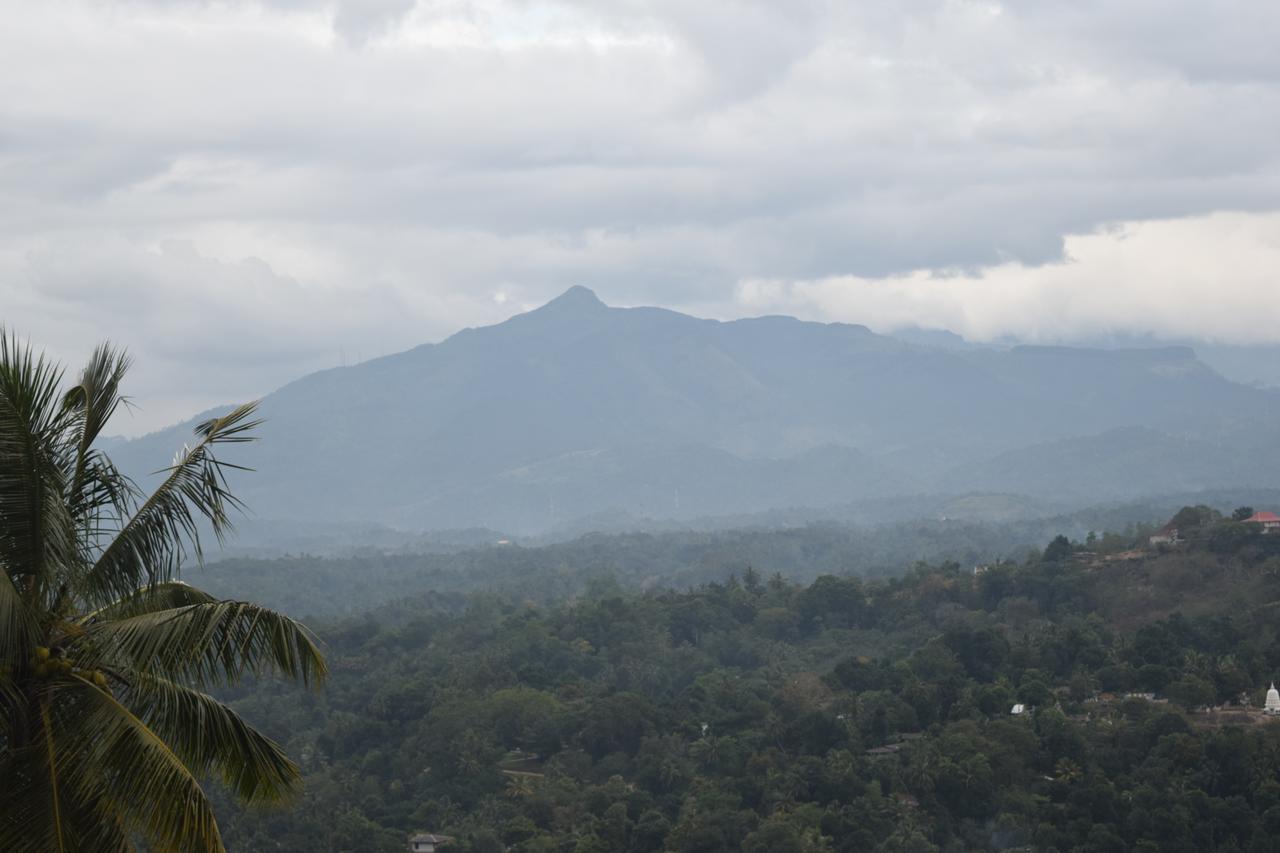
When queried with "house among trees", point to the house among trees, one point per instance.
{"points": [[1268, 521], [425, 842], [1166, 535]]}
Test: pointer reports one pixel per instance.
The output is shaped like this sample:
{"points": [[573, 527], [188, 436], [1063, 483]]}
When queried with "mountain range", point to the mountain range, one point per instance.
{"points": [[578, 408]]}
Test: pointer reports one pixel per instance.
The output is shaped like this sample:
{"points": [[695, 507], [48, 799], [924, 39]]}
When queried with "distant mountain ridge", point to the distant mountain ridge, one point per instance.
{"points": [[578, 408]]}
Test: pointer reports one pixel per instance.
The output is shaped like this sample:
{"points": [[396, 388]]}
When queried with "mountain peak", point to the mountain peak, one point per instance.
{"points": [[577, 299]]}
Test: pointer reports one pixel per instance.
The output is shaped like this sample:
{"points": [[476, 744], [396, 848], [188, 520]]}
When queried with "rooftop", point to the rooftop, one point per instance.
{"points": [[1262, 517]]}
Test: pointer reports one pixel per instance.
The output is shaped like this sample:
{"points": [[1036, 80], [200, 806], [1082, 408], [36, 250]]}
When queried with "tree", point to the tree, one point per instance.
{"points": [[1241, 513], [1195, 517], [105, 653], [1057, 550]]}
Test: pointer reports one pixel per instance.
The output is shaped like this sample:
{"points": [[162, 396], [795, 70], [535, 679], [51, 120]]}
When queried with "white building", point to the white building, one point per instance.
{"points": [[1272, 708]]}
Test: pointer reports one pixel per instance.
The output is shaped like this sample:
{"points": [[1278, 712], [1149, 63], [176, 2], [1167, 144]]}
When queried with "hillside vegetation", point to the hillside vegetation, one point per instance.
{"points": [[335, 585], [846, 714]]}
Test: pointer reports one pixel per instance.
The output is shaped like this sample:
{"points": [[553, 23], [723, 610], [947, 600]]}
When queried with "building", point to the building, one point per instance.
{"points": [[1166, 535], [1018, 710], [426, 842], [1268, 521], [1272, 707]]}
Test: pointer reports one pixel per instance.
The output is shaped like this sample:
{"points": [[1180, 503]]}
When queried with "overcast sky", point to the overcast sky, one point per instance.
{"points": [[243, 192]]}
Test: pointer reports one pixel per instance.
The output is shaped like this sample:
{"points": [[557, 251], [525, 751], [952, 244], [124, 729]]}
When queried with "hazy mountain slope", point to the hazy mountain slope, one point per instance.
{"points": [[577, 408], [1122, 463]]}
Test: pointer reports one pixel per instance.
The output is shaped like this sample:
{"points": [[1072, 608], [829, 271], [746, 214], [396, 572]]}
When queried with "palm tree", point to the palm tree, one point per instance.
{"points": [[105, 731]]}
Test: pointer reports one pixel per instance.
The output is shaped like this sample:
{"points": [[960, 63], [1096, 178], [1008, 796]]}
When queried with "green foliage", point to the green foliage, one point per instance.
{"points": [[846, 714], [1190, 519], [104, 733], [1057, 550], [600, 566]]}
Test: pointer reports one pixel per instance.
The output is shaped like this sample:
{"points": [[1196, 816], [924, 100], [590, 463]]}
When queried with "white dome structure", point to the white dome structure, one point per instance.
{"points": [[1272, 707]]}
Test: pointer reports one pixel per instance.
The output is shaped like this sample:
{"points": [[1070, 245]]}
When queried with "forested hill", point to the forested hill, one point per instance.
{"points": [[578, 408], [354, 580], [848, 714], [310, 586]]}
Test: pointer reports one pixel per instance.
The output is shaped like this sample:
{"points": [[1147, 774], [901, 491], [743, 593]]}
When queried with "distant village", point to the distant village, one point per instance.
{"points": [[1173, 534], [1267, 523]]}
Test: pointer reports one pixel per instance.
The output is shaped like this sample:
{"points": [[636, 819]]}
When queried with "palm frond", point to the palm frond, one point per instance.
{"points": [[112, 754], [92, 402], [210, 737], [18, 625], [28, 387], [27, 827], [212, 644], [42, 808], [149, 547], [38, 530], [102, 500], [99, 495], [12, 707], [148, 599], [26, 820]]}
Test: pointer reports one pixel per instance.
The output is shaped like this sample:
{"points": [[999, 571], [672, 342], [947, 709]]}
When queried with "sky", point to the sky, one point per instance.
{"points": [[244, 192]]}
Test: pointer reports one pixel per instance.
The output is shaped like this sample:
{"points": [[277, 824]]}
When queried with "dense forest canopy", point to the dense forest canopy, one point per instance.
{"points": [[357, 577], [758, 713]]}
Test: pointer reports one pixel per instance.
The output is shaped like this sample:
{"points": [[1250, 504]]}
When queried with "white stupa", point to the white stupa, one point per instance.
{"points": [[1272, 708]]}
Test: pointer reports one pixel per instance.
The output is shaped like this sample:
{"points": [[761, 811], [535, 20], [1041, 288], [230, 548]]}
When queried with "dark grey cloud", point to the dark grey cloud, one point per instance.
{"points": [[402, 169]]}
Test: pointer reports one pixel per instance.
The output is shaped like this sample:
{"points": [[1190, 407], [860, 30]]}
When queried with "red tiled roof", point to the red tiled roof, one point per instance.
{"points": [[1260, 517]]}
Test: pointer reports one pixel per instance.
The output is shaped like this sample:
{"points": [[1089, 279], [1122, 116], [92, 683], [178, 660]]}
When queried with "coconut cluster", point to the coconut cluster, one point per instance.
{"points": [[46, 664]]}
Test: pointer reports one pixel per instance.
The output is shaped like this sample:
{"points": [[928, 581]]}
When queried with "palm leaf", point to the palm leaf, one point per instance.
{"points": [[12, 709], [210, 737], [93, 401], [41, 806], [110, 753], [150, 545], [102, 500], [99, 495], [18, 625], [38, 530], [26, 819], [211, 643], [149, 599]]}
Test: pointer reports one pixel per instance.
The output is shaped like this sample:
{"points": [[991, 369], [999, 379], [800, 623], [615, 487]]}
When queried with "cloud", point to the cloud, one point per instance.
{"points": [[203, 331], [1213, 278], [360, 20], [392, 166]]}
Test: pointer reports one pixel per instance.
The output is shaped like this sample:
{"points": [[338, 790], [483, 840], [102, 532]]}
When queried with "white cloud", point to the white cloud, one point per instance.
{"points": [[1214, 278], [391, 166]]}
